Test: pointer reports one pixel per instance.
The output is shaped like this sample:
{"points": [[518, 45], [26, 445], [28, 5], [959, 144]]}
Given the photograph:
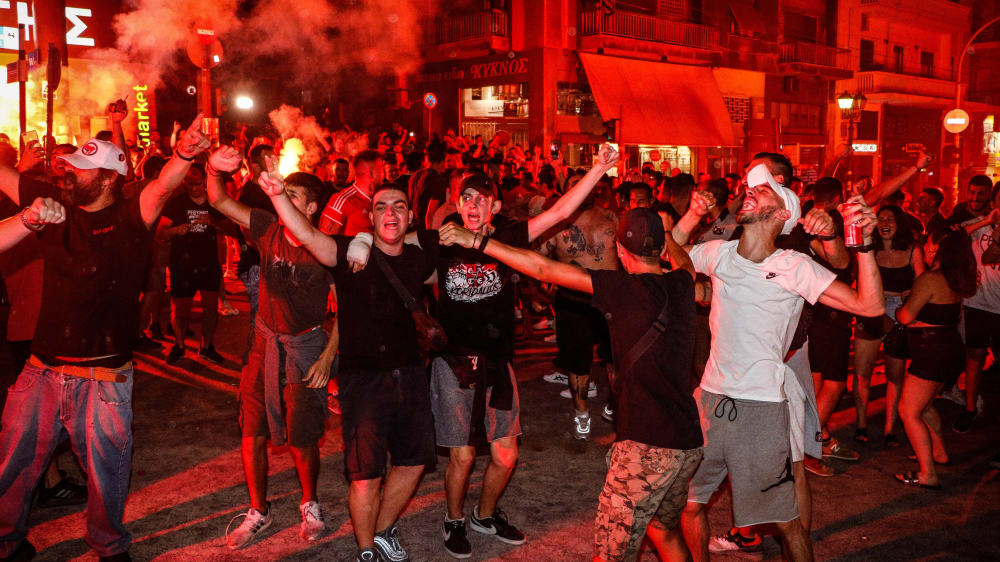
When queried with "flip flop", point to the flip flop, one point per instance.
{"points": [[939, 463], [911, 479]]}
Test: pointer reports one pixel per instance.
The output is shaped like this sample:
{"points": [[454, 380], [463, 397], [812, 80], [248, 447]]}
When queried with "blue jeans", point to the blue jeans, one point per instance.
{"points": [[43, 408]]}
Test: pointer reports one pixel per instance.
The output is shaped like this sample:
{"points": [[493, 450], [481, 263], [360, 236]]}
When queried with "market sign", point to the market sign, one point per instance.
{"points": [[863, 147], [142, 114], [482, 70]]}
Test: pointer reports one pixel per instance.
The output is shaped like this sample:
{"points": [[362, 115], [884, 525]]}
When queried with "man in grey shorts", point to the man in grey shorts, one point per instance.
{"points": [[758, 293]]}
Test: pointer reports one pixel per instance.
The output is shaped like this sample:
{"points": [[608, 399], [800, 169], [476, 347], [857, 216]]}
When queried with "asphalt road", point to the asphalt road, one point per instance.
{"points": [[187, 481]]}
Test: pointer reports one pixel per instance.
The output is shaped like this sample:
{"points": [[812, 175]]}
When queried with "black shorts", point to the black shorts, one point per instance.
{"points": [[186, 281], [872, 327], [982, 329], [830, 344], [937, 354], [385, 411], [579, 327]]}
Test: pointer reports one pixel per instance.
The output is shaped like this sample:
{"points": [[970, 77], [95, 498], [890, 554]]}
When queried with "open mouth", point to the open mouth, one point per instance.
{"points": [[748, 205]]}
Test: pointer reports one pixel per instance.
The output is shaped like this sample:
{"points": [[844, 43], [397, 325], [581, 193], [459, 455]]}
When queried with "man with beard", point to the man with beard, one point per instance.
{"points": [[190, 223], [758, 294], [78, 380]]}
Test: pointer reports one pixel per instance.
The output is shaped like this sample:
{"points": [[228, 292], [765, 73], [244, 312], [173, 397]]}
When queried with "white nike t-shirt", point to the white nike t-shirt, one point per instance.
{"points": [[755, 308], [987, 295]]}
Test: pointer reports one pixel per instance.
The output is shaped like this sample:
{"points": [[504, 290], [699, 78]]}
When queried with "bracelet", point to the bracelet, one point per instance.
{"points": [[209, 169], [482, 245], [182, 157], [28, 225], [826, 238], [867, 248]]}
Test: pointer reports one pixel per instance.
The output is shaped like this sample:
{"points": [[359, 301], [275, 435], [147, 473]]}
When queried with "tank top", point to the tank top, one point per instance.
{"points": [[898, 279], [940, 314]]}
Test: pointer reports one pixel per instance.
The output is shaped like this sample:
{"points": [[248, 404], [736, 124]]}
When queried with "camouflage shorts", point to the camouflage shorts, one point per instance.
{"points": [[642, 481]]}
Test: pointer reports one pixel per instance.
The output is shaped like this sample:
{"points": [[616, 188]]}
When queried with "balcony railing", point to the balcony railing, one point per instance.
{"points": [[906, 68], [462, 27], [812, 53], [649, 28]]}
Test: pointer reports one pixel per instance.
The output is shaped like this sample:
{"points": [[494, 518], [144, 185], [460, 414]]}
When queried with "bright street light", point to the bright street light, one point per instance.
{"points": [[244, 102]]}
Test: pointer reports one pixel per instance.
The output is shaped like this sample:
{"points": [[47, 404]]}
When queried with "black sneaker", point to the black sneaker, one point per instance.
{"points": [[455, 540], [388, 547], [608, 413], [175, 355], [367, 555], [212, 355], [964, 421], [65, 492], [496, 525]]}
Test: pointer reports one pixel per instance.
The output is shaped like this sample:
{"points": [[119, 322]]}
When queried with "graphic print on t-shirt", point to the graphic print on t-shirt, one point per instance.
{"points": [[192, 217], [471, 282]]}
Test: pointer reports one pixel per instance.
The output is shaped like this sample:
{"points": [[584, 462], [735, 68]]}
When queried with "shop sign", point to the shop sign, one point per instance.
{"points": [[76, 29], [863, 147], [500, 68], [142, 114], [914, 148]]}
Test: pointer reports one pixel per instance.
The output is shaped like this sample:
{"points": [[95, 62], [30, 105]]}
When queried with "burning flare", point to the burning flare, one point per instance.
{"points": [[291, 153]]}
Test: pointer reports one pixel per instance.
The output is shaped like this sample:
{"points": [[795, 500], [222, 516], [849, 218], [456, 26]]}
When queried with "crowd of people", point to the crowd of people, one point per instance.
{"points": [[389, 283]]}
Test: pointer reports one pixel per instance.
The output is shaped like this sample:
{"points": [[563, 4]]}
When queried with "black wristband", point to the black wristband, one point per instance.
{"points": [[867, 248], [826, 238], [181, 156], [482, 244]]}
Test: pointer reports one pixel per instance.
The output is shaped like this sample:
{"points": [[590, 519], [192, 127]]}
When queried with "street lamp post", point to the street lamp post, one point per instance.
{"points": [[850, 110], [958, 96]]}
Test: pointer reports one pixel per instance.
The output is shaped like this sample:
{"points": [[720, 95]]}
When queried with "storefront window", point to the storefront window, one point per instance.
{"points": [[574, 99], [504, 100], [666, 158]]}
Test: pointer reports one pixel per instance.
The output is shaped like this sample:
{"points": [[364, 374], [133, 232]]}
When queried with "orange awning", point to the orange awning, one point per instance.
{"points": [[659, 103]]}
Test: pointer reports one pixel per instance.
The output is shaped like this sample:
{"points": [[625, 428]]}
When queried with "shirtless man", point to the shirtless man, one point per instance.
{"points": [[589, 242]]}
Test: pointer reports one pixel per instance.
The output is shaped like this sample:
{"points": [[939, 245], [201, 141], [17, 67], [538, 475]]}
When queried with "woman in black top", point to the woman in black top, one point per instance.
{"points": [[900, 261], [931, 314]]}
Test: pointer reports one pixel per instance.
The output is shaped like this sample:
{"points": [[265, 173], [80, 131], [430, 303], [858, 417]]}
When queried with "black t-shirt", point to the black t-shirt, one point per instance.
{"points": [[95, 267], [293, 285], [430, 184], [960, 214], [254, 197], [198, 248], [655, 406], [476, 306], [376, 329]]}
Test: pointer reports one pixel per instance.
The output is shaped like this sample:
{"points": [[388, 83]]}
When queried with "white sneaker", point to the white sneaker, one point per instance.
{"points": [[954, 394], [251, 526], [312, 521], [591, 391], [581, 426], [556, 377]]}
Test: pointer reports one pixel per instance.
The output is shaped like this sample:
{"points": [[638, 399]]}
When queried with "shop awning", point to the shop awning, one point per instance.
{"points": [[659, 103]]}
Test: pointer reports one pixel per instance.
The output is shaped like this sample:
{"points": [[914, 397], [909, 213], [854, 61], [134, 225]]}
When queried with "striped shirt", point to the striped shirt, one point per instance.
{"points": [[347, 213]]}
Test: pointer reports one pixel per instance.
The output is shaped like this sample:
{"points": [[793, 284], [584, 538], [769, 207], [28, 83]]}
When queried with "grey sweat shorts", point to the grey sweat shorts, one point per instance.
{"points": [[452, 408], [749, 441]]}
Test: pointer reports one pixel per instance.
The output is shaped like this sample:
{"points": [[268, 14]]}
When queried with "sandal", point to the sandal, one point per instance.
{"points": [[890, 441], [861, 435], [911, 479]]}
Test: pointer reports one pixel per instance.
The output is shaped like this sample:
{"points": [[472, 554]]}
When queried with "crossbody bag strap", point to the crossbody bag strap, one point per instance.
{"points": [[642, 346], [408, 300]]}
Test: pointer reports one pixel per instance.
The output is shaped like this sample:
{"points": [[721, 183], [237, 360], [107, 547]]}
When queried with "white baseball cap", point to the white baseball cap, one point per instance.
{"points": [[760, 175], [96, 153]]}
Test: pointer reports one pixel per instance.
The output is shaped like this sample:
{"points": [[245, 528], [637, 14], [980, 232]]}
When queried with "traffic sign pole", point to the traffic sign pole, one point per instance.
{"points": [[22, 85]]}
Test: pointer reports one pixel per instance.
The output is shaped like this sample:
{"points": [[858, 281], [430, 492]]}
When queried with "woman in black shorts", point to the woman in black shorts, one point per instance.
{"points": [[900, 261], [931, 314]]}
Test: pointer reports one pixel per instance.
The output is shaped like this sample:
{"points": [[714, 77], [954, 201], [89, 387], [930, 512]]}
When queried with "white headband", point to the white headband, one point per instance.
{"points": [[760, 175]]}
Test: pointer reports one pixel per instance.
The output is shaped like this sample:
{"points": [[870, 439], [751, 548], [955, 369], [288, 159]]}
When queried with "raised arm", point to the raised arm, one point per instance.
{"points": [[225, 160], [879, 192], [321, 246], [42, 212], [154, 196], [571, 200], [679, 259], [118, 111], [868, 299], [826, 245], [701, 202], [525, 261]]}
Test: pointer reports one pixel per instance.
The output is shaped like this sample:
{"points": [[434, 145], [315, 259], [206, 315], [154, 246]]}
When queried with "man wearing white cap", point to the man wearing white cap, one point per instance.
{"points": [[78, 381], [758, 293]]}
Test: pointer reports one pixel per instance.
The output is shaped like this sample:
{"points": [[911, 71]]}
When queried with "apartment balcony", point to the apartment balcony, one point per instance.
{"points": [[487, 30], [811, 58], [623, 31], [882, 82], [933, 14]]}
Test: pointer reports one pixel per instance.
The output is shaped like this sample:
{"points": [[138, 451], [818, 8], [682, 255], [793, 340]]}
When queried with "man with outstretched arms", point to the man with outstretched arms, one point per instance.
{"points": [[758, 293], [658, 440]]}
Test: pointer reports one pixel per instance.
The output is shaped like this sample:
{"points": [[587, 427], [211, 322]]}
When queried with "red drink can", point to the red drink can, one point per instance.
{"points": [[853, 234]]}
